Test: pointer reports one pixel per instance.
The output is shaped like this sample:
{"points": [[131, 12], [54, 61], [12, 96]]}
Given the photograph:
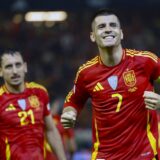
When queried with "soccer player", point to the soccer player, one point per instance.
{"points": [[24, 114], [120, 84]]}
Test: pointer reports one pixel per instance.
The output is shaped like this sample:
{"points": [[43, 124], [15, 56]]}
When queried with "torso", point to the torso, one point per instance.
{"points": [[22, 125], [120, 120]]}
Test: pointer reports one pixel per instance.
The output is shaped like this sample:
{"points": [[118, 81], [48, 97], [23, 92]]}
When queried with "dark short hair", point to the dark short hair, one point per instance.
{"points": [[9, 52], [102, 12]]}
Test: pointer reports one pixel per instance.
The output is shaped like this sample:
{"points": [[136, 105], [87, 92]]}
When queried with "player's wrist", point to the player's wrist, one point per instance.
{"points": [[68, 117], [70, 108]]}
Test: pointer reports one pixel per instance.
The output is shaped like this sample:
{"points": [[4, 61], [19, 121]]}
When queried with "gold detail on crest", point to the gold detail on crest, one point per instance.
{"points": [[34, 101], [132, 89], [129, 78]]}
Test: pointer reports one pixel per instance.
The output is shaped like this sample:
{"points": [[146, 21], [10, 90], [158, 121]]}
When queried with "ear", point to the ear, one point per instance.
{"points": [[92, 37], [25, 67], [121, 35]]}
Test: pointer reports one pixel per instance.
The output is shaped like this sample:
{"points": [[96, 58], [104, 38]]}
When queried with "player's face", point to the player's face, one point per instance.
{"points": [[13, 69], [106, 31]]}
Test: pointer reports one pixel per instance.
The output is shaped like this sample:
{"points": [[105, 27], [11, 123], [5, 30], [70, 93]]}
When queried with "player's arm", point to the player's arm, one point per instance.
{"points": [[74, 102], [152, 99], [53, 138], [71, 143]]}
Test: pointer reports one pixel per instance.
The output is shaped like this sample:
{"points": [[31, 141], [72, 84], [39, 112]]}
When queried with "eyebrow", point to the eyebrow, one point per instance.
{"points": [[110, 23]]}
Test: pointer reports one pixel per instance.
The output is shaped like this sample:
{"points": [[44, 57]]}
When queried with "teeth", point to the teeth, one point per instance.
{"points": [[109, 37]]}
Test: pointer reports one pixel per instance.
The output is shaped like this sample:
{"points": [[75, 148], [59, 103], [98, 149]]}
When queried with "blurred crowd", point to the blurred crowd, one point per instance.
{"points": [[55, 50]]}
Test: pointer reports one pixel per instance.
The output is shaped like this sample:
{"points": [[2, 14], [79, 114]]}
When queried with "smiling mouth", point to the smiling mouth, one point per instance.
{"points": [[108, 37], [15, 77]]}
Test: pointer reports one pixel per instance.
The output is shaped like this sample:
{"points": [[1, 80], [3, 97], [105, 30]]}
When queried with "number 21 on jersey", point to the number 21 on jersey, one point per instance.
{"points": [[26, 117]]}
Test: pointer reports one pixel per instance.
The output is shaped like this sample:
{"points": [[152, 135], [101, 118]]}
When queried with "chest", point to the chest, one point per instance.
{"points": [[125, 77], [21, 110], [123, 83]]}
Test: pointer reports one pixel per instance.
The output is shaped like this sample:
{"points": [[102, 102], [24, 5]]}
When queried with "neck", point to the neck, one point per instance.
{"points": [[111, 56], [15, 88]]}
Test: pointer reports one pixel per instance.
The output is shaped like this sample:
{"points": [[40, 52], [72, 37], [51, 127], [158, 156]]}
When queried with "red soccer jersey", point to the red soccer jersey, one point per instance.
{"points": [[122, 128], [22, 123], [65, 133]]}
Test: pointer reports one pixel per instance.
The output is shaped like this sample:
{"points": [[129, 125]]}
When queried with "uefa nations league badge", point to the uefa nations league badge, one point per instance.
{"points": [[22, 104], [113, 82]]}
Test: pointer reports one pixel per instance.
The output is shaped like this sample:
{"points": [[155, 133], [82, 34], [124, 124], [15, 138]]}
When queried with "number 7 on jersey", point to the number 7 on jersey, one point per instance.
{"points": [[119, 96]]}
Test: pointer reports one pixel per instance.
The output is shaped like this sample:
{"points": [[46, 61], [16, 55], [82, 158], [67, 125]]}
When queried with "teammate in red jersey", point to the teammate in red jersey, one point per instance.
{"points": [[120, 84], [67, 135], [24, 114]]}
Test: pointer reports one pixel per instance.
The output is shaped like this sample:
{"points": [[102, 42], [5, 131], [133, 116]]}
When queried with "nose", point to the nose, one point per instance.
{"points": [[14, 69], [107, 29]]}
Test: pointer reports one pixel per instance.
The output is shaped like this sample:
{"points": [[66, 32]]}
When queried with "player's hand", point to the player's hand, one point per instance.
{"points": [[68, 119], [152, 100]]}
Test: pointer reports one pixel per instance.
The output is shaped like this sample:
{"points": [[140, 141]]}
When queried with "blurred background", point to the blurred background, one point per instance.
{"points": [[54, 49]]}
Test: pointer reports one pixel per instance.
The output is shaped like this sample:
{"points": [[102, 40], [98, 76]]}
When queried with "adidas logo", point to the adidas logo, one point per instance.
{"points": [[98, 87], [10, 108]]}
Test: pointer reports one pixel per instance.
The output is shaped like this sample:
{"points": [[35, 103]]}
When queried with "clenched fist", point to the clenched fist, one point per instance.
{"points": [[152, 100], [68, 117]]}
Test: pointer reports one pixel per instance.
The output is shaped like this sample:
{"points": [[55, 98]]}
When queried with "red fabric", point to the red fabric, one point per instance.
{"points": [[123, 134], [69, 133], [21, 123], [50, 156]]}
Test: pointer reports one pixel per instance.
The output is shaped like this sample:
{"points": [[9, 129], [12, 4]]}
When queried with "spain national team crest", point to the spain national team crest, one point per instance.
{"points": [[34, 101], [129, 78]]}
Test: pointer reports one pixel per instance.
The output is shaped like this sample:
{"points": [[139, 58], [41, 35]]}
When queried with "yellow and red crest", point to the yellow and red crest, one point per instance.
{"points": [[34, 101], [129, 78]]}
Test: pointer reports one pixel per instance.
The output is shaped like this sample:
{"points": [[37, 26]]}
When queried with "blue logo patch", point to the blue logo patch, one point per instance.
{"points": [[22, 104], [113, 82]]}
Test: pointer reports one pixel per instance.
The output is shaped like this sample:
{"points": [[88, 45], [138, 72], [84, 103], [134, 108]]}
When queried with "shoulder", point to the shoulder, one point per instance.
{"points": [[35, 86], [87, 67], [89, 64], [38, 93], [146, 55], [2, 90]]}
